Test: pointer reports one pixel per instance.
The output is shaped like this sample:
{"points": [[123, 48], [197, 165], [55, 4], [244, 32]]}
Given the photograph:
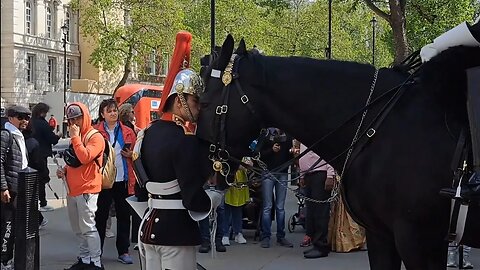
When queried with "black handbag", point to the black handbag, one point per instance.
{"points": [[71, 158]]}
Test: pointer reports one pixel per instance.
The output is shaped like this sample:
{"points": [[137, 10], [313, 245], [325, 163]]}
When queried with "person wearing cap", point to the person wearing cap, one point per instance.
{"points": [[170, 157], [84, 183], [466, 35], [14, 159]]}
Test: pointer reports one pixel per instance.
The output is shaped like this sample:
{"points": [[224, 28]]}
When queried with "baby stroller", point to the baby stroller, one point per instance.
{"points": [[252, 211], [298, 219]]}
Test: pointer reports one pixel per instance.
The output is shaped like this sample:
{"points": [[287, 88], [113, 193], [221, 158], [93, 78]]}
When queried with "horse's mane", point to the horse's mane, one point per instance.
{"points": [[445, 76], [447, 70]]}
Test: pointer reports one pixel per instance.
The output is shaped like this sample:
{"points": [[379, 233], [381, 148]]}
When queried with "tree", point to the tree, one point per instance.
{"points": [[426, 20], [397, 21], [237, 17], [127, 32]]}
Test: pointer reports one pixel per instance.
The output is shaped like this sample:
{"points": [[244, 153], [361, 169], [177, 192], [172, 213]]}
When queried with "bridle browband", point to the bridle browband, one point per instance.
{"points": [[220, 156]]}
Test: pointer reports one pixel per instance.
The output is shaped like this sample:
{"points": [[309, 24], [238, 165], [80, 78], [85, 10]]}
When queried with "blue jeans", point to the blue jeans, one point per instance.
{"points": [[268, 186], [204, 224], [233, 216]]}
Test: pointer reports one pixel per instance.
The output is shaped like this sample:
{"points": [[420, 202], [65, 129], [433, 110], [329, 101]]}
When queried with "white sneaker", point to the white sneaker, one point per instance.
{"points": [[109, 234], [46, 208], [43, 224], [467, 264], [240, 239], [225, 241], [452, 259]]}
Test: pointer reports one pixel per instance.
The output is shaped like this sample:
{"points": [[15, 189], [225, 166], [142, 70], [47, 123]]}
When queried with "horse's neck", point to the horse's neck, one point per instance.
{"points": [[309, 99]]}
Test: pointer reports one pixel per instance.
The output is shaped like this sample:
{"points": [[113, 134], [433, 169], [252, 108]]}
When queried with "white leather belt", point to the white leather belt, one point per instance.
{"points": [[167, 188], [165, 204]]}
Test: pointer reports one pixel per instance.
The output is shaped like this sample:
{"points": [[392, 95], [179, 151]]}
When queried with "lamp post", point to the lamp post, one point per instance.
{"points": [[374, 25], [212, 29], [328, 50], [64, 40]]}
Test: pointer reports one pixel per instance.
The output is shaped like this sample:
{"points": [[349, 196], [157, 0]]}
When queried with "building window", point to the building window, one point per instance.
{"points": [[69, 73], [28, 17], [49, 22], [151, 63], [51, 70], [30, 68], [67, 23]]}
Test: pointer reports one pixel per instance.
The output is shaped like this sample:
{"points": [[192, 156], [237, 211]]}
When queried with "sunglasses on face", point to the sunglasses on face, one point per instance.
{"points": [[23, 117]]}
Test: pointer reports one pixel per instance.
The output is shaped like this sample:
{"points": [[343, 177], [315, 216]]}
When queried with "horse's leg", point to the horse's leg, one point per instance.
{"points": [[382, 253], [421, 247]]}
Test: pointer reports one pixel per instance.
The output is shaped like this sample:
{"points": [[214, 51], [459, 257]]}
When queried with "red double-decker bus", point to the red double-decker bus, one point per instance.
{"points": [[145, 100]]}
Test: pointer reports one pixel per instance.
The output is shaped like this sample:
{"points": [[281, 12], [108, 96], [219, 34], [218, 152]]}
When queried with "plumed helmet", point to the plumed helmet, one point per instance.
{"points": [[187, 81], [73, 111]]}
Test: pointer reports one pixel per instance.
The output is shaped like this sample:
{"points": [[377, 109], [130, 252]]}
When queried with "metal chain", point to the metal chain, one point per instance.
{"points": [[336, 187], [332, 198], [355, 138]]}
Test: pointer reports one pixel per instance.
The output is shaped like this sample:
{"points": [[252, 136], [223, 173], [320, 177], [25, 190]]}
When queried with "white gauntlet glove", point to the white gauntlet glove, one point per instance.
{"points": [[215, 200], [460, 35]]}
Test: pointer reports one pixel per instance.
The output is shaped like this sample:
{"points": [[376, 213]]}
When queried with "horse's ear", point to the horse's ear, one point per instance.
{"points": [[242, 48], [225, 53]]}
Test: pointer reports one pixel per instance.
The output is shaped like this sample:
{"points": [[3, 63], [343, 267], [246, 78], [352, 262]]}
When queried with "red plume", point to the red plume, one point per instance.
{"points": [[180, 60]]}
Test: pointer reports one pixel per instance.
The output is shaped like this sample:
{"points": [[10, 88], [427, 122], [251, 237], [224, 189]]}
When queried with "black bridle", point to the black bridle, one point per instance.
{"points": [[219, 151]]}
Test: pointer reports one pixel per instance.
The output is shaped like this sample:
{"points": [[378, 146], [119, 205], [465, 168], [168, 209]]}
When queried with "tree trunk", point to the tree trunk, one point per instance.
{"points": [[397, 22], [126, 70]]}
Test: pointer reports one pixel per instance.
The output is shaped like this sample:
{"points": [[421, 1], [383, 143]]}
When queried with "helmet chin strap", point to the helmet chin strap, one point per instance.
{"points": [[186, 108]]}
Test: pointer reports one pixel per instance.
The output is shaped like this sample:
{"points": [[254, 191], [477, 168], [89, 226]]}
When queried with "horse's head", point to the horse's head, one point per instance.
{"points": [[228, 119]]}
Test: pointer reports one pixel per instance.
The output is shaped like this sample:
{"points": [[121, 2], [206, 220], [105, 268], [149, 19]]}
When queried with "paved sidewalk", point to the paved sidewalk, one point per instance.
{"points": [[58, 247]]}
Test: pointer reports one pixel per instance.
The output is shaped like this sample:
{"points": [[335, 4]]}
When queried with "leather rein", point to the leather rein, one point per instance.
{"points": [[219, 153]]}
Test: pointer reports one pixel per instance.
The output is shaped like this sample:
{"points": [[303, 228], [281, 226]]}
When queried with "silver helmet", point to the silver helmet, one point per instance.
{"points": [[187, 81]]}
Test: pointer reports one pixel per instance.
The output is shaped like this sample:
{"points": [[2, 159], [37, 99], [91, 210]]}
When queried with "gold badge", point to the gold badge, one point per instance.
{"points": [[217, 166], [179, 87], [227, 78]]}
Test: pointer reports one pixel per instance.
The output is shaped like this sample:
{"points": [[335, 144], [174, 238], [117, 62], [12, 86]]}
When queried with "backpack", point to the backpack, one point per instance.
{"points": [[107, 168]]}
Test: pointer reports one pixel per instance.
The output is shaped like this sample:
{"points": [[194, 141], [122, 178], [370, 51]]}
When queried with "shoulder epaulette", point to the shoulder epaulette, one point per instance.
{"points": [[188, 127]]}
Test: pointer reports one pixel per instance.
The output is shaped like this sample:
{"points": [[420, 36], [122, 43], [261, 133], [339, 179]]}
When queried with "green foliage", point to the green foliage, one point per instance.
{"points": [[277, 27], [427, 19], [126, 31]]}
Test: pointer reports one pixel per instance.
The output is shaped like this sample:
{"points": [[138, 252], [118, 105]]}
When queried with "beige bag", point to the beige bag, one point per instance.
{"points": [[107, 168]]}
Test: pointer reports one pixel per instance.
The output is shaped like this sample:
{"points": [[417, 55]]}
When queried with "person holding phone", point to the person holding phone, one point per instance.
{"points": [[122, 139]]}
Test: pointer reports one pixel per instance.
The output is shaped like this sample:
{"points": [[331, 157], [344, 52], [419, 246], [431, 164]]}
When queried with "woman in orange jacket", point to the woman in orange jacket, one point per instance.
{"points": [[123, 140]]}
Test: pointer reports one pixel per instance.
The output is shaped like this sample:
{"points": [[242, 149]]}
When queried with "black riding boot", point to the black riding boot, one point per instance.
{"points": [[470, 191], [473, 107]]}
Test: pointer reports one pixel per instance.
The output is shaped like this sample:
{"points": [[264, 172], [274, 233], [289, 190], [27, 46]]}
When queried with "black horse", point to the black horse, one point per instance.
{"points": [[393, 181]]}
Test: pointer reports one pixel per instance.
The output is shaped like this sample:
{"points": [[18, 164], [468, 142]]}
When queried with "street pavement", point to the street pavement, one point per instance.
{"points": [[58, 246]]}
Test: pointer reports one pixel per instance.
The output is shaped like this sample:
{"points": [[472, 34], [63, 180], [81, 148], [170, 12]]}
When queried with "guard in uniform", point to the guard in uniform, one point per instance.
{"points": [[467, 35], [172, 173]]}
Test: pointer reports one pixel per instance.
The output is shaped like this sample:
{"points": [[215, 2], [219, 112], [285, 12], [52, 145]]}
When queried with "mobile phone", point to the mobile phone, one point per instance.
{"points": [[127, 146]]}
